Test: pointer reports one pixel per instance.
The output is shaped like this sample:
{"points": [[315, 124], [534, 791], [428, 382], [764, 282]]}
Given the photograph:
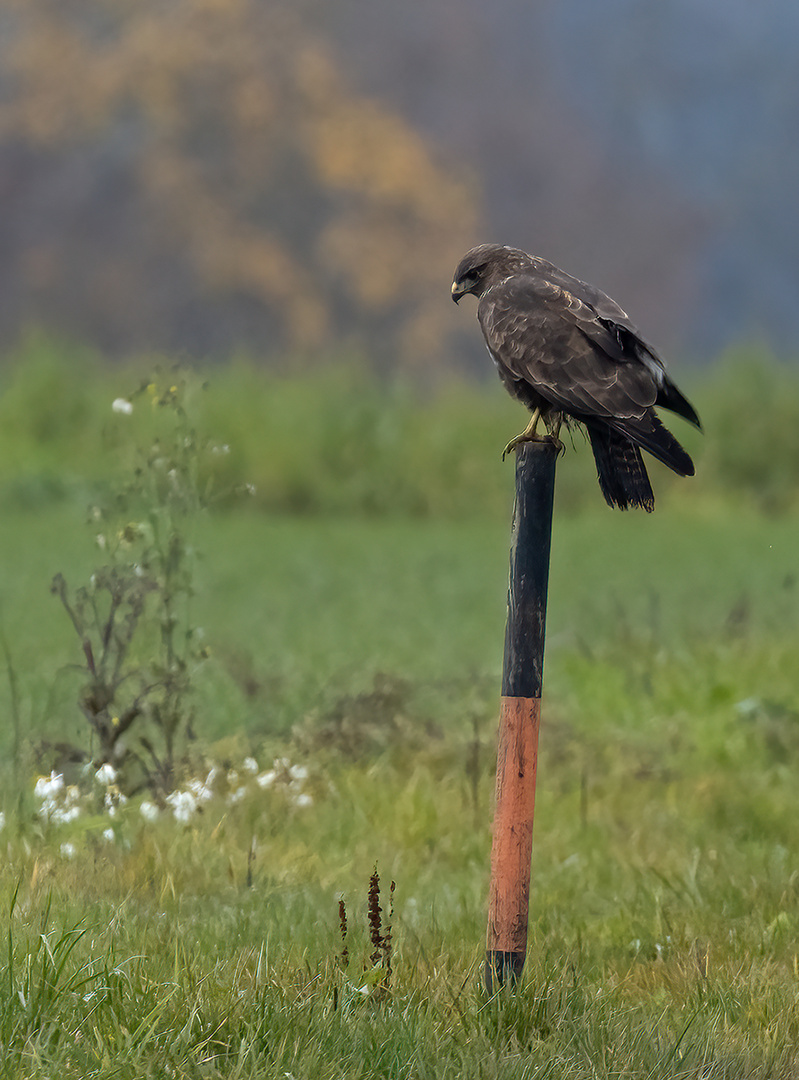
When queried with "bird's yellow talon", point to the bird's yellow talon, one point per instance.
{"points": [[530, 436]]}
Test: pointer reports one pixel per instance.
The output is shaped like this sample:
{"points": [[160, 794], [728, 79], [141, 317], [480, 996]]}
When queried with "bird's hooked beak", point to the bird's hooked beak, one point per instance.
{"points": [[457, 291]]}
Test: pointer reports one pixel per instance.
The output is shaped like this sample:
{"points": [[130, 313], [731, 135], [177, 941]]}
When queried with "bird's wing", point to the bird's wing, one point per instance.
{"points": [[545, 335], [603, 305], [608, 312]]}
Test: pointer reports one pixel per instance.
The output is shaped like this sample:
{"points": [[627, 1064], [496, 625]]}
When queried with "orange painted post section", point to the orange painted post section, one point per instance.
{"points": [[520, 712], [512, 849]]}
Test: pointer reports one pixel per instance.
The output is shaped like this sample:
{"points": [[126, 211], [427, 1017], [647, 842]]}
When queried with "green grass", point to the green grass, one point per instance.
{"points": [[312, 608], [364, 642], [664, 831]]}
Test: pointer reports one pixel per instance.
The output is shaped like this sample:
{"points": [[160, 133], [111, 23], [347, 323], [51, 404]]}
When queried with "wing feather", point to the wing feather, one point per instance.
{"points": [[544, 334], [607, 310]]}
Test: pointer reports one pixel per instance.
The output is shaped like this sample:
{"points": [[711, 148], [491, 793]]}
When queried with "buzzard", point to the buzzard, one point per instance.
{"points": [[570, 354]]}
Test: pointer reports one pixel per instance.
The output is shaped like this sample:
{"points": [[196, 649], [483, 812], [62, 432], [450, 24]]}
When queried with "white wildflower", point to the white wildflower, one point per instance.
{"points": [[236, 796], [149, 811], [48, 787], [298, 772], [183, 805], [251, 765], [266, 779], [61, 816], [122, 405], [106, 774], [303, 799], [201, 791], [109, 836], [69, 851]]}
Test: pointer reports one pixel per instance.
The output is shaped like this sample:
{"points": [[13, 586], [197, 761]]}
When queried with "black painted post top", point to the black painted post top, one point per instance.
{"points": [[523, 669]]}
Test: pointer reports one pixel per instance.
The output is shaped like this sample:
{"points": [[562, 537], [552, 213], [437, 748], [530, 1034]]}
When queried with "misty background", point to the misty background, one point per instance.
{"points": [[205, 177]]}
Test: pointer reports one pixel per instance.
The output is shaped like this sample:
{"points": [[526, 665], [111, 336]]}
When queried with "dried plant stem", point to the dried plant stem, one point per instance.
{"points": [[342, 921]]}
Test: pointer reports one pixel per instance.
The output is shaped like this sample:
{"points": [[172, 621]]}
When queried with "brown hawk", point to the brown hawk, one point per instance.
{"points": [[570, 354]]}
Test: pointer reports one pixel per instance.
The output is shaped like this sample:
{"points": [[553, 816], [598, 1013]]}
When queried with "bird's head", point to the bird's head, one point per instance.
{"points": [[484, 266]]}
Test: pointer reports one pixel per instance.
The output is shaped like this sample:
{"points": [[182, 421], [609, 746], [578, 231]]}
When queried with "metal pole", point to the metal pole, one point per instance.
{"points": [[520, 711]]}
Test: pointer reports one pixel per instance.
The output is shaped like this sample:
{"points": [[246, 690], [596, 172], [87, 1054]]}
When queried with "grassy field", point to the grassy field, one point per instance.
{"points": [[348, 707]]}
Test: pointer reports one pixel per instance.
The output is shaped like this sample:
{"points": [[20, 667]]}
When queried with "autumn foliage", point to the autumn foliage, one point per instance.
{"points": [[222, 184]]}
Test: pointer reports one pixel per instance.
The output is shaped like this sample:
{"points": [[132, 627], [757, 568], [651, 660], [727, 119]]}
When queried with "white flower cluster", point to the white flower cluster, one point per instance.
{"points": [[239, 784], [292, 776], [185, 803], [61, 803]]}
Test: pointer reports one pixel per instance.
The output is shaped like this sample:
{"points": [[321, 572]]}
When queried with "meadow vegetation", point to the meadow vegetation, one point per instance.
{"points": [[340, 710]]}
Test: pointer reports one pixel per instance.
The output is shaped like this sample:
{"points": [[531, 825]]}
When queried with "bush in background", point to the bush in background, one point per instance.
{"points": [[337, 439]]}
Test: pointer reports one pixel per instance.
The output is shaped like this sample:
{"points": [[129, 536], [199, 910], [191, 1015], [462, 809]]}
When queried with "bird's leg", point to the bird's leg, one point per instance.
{"points": [[528, 435], [554, 431]]}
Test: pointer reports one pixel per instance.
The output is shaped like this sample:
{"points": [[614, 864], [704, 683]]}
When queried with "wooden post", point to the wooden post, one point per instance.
{"points": [[517, 751]]}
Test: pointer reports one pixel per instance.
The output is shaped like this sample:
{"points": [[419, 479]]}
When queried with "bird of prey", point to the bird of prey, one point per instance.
{"points": [[570, 354]]}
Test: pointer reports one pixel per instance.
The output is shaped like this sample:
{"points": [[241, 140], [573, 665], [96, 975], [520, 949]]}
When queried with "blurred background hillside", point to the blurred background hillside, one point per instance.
{"points": [[203, 177]]}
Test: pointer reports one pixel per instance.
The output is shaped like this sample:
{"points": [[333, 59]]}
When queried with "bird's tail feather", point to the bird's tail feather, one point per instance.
{"points": [[620, 468], [650, 434]]}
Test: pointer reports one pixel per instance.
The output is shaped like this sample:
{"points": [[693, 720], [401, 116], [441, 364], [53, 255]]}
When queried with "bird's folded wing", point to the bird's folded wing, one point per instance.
{"points": [[545, 335]]}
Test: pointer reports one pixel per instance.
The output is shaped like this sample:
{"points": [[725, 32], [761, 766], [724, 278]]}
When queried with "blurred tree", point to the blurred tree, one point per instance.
{"points": [[199, 174]]}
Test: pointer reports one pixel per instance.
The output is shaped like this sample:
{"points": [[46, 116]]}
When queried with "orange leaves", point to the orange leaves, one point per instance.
{"points": [[403, 216], [65, 91], [361, 145], [255, 161]]}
